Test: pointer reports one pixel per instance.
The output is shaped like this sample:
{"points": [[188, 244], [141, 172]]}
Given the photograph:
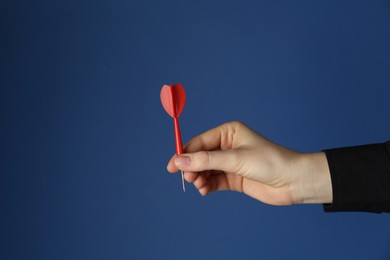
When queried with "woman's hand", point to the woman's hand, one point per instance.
{"points": [[234, 157]]}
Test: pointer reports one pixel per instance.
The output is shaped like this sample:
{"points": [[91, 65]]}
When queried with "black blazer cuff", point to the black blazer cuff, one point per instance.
{"points": [[360, 178]]}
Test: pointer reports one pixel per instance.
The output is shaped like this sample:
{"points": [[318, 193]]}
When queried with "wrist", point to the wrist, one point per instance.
{"points": [[312, 182]]}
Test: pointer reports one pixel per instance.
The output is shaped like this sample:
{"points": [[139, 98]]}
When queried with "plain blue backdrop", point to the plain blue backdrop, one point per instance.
{"points": [[84, 140]]}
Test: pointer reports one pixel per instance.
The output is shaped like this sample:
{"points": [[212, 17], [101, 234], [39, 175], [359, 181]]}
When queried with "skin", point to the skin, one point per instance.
{"points": [[234, 157]]}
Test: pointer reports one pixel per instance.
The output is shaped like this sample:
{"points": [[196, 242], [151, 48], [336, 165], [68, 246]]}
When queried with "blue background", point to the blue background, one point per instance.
{"points": [[85, 141]]}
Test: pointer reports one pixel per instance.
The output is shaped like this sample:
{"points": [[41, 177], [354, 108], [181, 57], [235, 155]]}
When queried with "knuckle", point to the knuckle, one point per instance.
{"points": [[230, 133], [236, 127], [236, 124]]}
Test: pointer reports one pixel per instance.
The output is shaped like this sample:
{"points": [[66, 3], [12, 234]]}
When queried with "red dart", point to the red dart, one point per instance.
{"points": [[173, 99]]}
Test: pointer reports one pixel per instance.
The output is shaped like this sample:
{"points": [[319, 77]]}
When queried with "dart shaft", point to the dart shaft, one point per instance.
{"points": [[179, 144], [179, 147]]}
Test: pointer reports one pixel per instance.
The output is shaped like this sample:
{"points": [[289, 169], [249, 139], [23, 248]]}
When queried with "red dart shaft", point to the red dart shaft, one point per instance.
{"points": [[179, 144]]}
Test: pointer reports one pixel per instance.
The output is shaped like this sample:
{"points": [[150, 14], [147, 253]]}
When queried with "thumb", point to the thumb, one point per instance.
{"points": [[226, 161]]}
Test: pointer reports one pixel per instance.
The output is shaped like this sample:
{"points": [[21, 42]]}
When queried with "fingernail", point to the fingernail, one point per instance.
{"points": [[183, 161]]}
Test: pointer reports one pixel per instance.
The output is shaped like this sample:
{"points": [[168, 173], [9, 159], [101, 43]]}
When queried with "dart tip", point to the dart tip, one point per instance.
{"points": [[182, 181]]}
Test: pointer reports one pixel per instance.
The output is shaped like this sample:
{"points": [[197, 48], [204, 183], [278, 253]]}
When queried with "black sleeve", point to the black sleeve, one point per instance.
{"points": [[360, 178]]}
